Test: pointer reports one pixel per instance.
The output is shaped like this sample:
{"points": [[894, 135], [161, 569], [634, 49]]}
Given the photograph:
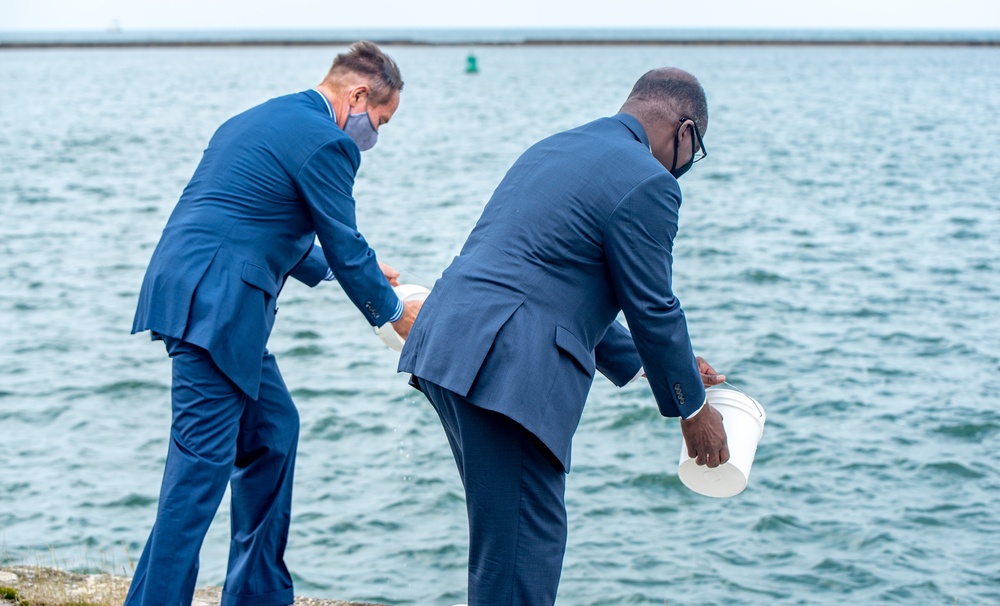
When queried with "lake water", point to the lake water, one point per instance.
{"points": [[838, 258]]}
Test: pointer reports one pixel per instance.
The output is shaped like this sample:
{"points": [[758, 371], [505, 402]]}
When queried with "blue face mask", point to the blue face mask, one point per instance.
{"points": [[677, 171], [359, 128]]}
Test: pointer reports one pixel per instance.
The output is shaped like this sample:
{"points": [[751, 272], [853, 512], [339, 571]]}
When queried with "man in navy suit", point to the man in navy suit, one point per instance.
{"points": [[272, 180], [506, 345]]}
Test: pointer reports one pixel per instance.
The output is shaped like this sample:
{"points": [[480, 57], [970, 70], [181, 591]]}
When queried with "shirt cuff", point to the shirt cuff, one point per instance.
{"points": [[399, 312], [329, 277], [692, 415], [637, 375]]}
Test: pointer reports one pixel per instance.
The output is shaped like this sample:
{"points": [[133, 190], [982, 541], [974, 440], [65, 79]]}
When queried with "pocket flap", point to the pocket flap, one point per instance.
{"points": [[567, 341], [255, 275]]}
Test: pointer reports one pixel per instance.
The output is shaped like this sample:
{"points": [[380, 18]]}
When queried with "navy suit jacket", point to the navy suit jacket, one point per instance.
{"points": [[580, 228], [271, 181]]}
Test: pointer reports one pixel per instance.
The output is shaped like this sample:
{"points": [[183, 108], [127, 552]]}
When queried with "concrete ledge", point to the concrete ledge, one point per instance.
{"points": [[53, 587]]}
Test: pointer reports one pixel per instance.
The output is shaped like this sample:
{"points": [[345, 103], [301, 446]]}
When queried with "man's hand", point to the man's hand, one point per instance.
{"points": [[708, 375], [403, 325], [706, 437], [391, 275]]}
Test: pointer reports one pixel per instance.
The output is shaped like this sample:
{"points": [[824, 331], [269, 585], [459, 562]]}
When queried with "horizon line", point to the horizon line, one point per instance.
{"points": [[264, 42]]}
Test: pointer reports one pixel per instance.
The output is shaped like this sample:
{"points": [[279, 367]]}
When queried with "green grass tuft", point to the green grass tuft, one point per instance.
{"points": [[9, 593]]}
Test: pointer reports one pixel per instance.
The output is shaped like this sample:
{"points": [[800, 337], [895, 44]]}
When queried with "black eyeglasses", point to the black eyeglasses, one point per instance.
{"points": [[700, 152]]}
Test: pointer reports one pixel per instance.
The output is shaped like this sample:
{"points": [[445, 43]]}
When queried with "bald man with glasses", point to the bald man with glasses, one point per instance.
{"points": [[507, 343]]}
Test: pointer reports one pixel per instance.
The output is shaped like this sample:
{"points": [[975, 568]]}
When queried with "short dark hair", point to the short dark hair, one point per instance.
{"points": [[665, 90], [367, 59]]}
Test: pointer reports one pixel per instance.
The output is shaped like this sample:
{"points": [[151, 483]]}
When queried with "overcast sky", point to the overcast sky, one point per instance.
{"points": [[326, 14]]}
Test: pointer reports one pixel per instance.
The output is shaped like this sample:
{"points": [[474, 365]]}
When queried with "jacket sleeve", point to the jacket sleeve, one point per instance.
{"points": [[638, 243], [312, 268], [326, 181], [616, 355]]}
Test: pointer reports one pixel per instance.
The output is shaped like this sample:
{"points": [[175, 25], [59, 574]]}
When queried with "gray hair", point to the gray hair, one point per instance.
{"points": [[367, 59]]}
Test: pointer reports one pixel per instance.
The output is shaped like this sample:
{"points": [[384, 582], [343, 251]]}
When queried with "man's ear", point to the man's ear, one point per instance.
{"points": [[688, 131], [358, 93]]}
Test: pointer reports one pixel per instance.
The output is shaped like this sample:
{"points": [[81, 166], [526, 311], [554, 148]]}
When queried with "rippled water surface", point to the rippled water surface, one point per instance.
{"points": [[839, 259]]}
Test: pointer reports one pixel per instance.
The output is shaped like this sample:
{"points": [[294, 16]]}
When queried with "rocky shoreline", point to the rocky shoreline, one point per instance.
{"points": [[41, 586]]}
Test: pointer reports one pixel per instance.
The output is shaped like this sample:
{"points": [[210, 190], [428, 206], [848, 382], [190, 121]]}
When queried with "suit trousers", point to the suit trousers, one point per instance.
{"points": [[220, 436], [515, 497]]}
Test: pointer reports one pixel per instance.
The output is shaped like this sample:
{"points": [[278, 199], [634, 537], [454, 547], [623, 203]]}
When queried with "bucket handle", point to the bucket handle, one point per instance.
{"points": [[760, 410]]}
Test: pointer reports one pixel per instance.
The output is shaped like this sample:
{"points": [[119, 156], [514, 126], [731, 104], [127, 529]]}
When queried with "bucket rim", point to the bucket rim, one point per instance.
{"points": [[753, 408], [411, 291]]}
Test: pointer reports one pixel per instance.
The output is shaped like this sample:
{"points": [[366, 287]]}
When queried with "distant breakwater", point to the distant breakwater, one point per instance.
{"points": [[268, 42]]}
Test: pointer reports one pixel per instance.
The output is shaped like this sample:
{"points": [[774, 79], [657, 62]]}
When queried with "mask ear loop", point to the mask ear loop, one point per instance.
{"points": [[677, 143]]}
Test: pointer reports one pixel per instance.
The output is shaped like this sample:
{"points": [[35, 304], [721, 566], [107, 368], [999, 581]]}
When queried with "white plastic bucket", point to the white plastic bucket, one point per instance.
{"points": [[406, 292], [743, 419]]}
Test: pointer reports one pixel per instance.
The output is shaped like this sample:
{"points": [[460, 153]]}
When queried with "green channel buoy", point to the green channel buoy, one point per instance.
{"points": [[470, 65]]}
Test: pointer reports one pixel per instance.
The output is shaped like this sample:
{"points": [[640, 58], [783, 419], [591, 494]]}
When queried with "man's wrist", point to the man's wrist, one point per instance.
{"points": [[700, 408]]}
